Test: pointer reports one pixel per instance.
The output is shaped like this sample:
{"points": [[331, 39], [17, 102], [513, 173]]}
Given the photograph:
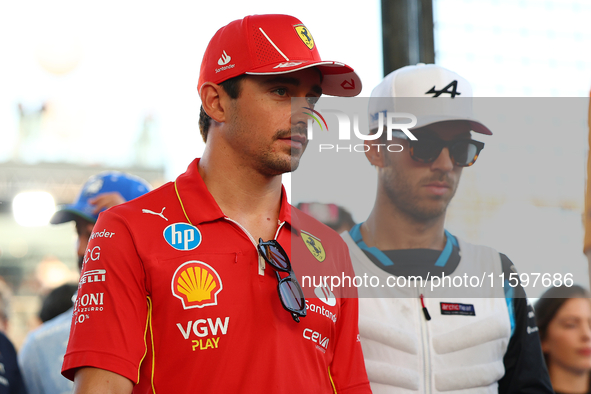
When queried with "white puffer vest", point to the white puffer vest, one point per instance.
{"points": [[451, 353]]}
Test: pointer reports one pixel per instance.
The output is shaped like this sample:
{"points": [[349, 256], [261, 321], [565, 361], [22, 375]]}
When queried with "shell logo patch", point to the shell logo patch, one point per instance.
{"points": [[314, 245], [196, 284], [305, 35]]}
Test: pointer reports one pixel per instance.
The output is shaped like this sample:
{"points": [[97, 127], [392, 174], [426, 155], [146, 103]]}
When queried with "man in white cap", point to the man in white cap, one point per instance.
{"points": [[200, 294], [417, 338]]}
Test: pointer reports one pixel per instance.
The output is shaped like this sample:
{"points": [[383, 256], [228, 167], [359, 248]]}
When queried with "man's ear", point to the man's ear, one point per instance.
{"points": [[376, 153], [212, 101]]}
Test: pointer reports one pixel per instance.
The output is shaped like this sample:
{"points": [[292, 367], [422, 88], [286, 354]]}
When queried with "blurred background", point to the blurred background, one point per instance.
{"points": [[86, 87]]}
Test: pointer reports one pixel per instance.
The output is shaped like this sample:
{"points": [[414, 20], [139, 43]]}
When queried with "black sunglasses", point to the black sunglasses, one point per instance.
{"points": [[463, 152], [290, 291]]}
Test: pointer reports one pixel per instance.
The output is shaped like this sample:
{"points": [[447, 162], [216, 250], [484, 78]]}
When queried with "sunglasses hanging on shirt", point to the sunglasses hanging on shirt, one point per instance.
{"points": [[290, 291]]}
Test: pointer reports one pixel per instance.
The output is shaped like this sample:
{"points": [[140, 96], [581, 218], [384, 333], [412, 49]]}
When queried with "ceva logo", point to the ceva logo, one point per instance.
{"points": [[182, 236], [316, 337]]}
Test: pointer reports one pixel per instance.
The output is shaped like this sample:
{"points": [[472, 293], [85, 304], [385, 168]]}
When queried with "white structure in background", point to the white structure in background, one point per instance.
{"points": [[507, 48], [532, 202], [33, 208]]}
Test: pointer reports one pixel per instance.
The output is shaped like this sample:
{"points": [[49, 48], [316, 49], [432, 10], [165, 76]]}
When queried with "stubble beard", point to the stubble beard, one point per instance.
{"points": [[266, 160], [272, 163], [399, 191]]}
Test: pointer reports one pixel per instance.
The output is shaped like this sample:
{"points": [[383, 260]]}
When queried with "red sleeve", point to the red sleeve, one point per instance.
{"points": [[110, 315], [348, 367]]}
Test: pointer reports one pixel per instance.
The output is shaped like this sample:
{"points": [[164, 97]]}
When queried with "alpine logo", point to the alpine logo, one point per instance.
{"points": [[225, 59], [325, 295], [453, 92]]}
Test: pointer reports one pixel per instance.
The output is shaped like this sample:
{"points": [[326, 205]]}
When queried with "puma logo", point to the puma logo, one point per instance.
{"points": [[156, 213]]}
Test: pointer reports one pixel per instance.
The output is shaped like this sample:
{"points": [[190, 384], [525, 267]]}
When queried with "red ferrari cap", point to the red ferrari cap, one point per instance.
{"points": [[268, 45]]}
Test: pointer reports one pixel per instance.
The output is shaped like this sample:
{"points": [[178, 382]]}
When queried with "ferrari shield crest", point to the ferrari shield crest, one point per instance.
{"points": [[314, 245], [305, 35]]}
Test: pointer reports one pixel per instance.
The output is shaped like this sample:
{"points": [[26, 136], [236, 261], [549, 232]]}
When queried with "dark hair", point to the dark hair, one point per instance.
{"points": [[551, 302], [57, 302], [345, 219], [232, 87]]}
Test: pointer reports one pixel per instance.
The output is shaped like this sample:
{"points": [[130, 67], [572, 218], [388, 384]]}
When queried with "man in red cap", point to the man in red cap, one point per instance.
{"points": [[199, 293]]}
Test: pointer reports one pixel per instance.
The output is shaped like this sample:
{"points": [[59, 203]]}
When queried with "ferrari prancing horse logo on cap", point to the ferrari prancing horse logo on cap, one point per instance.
{"points": [[305, 35]]}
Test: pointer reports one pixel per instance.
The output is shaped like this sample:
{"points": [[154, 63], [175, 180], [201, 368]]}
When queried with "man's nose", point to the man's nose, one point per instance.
{"points": [[298, 111], [586, 332], [444, 162]]}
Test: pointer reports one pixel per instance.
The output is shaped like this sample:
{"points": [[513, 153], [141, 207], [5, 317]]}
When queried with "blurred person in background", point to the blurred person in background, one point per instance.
{"points": [[564, 322], [5, 295], [11, 380], [58, 301], [43, 351], [334, 216]]}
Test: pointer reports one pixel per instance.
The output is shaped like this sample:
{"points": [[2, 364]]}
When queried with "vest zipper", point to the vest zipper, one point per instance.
{"points": [[425, 311], [426, 347], [261, 259]]}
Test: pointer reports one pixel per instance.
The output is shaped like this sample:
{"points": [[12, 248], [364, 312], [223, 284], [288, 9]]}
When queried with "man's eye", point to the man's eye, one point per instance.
{"points": [[312, 100], [281, 91]]}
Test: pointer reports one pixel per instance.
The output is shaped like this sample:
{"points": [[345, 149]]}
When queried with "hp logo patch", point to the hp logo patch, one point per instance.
{"points": [[182, 236]]}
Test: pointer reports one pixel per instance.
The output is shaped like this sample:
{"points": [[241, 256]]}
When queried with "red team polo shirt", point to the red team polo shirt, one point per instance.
{"points": [[172, 296]]}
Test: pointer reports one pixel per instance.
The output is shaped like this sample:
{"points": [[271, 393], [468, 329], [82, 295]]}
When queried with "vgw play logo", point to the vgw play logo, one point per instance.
{"points": [[386, 122]]}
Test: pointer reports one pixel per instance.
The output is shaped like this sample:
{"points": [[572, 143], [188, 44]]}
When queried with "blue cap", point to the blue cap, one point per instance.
{"points": [[129, 186]]}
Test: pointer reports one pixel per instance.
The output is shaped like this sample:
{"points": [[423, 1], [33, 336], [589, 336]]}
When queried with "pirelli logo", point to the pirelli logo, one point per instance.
{"points": [[93, 276]]}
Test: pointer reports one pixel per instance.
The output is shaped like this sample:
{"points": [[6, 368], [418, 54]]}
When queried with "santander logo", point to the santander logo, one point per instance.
{"points": [[325, 295], [225, 59]]}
